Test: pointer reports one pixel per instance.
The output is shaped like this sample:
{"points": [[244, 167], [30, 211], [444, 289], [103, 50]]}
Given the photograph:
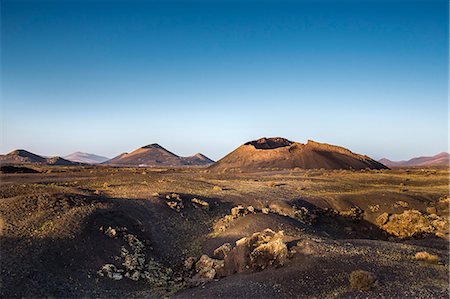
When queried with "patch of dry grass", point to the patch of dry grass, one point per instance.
{"points": [[426, 257], [361, 280]]}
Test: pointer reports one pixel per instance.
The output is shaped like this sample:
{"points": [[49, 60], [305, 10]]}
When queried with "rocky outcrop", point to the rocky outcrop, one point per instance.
{"points": [[259, 251], [207, 269], [253, 253]]}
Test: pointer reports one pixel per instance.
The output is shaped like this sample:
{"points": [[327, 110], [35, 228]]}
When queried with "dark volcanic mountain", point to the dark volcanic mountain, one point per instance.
{"points": [[441, 159], [25, 157], [281, 153], [154, 155], [86, 158]]}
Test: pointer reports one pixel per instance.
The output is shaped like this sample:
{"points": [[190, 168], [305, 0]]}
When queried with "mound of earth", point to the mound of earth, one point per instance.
{"points": [[21, 156], [442, 159], [154, 155], [267, 153]]}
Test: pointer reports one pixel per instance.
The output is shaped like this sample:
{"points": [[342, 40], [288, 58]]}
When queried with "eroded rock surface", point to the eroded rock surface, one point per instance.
{"points": [[258, 251]]}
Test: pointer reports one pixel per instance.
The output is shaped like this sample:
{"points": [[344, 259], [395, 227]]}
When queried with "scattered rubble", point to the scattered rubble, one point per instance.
{"points": [[135, 265], [236, 212], [302, 214], [306, 216], [355, 213], [110, 271], [174, 202]]}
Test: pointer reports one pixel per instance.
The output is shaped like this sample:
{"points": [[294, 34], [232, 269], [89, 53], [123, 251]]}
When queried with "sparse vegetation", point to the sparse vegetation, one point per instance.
{"points": [[361, 280], [426, 257]]}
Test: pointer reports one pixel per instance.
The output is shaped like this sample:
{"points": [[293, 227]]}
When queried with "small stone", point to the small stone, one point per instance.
{"points": [[111, 232], [116, 276]]}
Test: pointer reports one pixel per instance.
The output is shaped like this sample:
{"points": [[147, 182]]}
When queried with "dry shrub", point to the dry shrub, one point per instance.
{"points": [[217, 188], [412, 223], [361, 280], [426, 257], [374, 208], [401, 204], [200, 203], [355, 213]]}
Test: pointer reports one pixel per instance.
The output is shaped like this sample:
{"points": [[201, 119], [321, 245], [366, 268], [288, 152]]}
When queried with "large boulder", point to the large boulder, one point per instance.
{"points": [[207, 269]]}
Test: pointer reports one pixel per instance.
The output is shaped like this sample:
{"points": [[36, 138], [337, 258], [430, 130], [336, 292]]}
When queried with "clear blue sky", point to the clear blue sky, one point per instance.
{"points": [[108, 77]]}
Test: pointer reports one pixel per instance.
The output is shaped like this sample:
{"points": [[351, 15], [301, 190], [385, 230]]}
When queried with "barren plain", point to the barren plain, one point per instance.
{"points": [[98, 231]]}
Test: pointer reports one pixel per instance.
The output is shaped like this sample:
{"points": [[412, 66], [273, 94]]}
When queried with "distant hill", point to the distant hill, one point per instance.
{"points": [[21, 156], [86, 158], [154, 155], [277, 152], [441, 159]]}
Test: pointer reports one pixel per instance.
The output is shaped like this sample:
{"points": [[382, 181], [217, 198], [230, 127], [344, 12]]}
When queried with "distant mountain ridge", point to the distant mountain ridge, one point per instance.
{"points": [[441, 159], [86, 158], [21, 156], [154, 155]]}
